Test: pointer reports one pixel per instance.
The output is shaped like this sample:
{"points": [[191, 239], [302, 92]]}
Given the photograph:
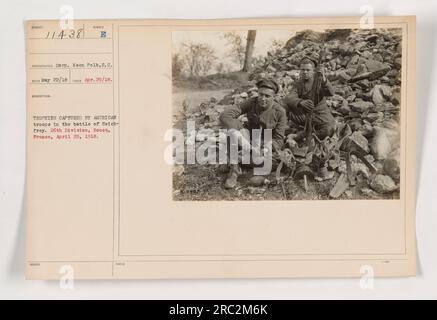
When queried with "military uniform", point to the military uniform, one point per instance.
{"points": [[259, 117], [323, 121], [273, 118]]}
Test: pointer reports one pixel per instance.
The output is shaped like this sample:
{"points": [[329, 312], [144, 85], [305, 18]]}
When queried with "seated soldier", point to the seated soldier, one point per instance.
{"points": [[262, 113], [300, 101]]}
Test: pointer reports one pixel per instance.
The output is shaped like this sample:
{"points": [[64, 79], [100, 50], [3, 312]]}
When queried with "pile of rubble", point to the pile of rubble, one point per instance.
{"points": [[364, 67]]}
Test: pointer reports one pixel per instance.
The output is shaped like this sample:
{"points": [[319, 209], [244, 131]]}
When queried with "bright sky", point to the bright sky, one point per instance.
{"points": [[216, 40]]}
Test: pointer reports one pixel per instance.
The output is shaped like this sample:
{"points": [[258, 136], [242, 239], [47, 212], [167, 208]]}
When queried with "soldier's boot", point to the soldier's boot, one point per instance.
{"points": [[323, 174], [231, 180]]}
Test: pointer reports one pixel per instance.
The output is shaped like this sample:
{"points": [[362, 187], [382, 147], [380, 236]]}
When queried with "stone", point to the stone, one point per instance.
{"points": [[362, 69], [255, 190], [378, 57], [333, 64], [367, 130], [360, 45], [257, 181], [396, 98], [367, 54], [393, 73], [392, 125], [375, 66], [369, 193], [392, 169], [370, 158], [381, 94], [358, 139], [380, 144], [178, 169], [345, 49], [360, 106], [386, 91], [332, 76], [383, 184], [353, 61], [342, 168], [398, 63], [377, 97], [343, 77], [385, 140], [360, 168], [340, 186], [374, 116], [351, 98], [271, 69], [356, 123], [391, 165]]}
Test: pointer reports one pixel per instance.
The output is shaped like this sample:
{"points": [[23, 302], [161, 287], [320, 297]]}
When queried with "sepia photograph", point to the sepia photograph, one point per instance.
{"points": [[247, 148], [286, 114]]}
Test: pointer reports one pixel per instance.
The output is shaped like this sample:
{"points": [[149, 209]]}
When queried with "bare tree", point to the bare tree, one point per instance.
{"points": [[199, 58], [220, 67], [251, 35], [276, 45], [237, 43], [177, 65]]}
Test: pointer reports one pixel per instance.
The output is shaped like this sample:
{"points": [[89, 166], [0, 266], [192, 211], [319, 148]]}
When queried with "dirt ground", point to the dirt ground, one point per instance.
{"points": [[194, 97], [205, 182]]}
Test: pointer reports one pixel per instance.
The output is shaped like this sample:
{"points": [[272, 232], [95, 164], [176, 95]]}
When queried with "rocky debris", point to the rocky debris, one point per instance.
{"points": [[381, 94], [348, 194], [256, 193], [385, 140], [340, 187], [364, 67], [257, 181], [396, 96], [380, 145], [391, 165], [369, 193], [374, 117], [359, 168], [383, 184], [178, 169], [361, 106], [206, 135], [391, 168], [370, 75], [358, 139]]}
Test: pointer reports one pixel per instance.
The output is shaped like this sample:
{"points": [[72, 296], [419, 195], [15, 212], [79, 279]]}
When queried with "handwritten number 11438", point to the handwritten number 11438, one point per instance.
{"points": [[65, 34]]}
